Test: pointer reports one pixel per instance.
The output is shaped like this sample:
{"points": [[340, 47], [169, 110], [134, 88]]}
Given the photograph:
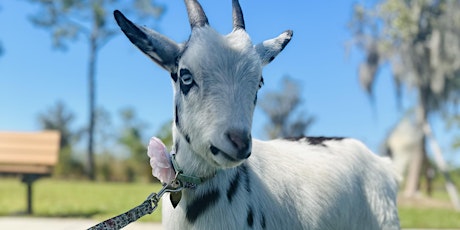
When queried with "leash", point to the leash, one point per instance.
{"points": [[180, 181], [147, 207]]}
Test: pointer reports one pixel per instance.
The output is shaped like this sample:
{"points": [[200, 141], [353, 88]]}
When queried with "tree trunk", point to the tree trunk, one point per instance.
{"points": [[414, 173], [419, 155], [92, 105], [450, 186]]}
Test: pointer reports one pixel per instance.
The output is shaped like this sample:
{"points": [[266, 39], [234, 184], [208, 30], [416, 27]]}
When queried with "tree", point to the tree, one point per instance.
{"points": [[420, 41], [454, 123], [59, 117], [105, 134], [280, 107], [133, 140], [69, 19]]}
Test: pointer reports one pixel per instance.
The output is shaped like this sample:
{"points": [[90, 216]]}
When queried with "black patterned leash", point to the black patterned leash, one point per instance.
{"points": [[147, 207]]}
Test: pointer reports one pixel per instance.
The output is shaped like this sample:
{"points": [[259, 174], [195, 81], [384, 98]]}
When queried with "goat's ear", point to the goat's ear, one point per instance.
{"points": [[268, 49], [159, 48]]}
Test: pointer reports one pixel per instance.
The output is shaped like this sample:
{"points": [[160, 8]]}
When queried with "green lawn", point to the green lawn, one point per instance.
{"points": [[54, 198], [101, 200], [429, 218], [426, 212]]}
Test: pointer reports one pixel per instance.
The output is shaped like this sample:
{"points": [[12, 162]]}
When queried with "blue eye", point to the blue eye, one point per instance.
{"points": [[186, 81], [186, 77]]}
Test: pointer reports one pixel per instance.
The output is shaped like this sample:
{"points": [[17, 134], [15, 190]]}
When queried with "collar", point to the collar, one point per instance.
{"points": [[188, 181]]}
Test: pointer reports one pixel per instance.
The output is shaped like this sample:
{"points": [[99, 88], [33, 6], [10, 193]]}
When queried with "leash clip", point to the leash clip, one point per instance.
{"points": [[154, 198]]}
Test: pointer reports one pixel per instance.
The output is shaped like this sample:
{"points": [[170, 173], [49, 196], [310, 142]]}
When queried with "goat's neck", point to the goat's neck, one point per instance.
{"points": [[190, 162]]}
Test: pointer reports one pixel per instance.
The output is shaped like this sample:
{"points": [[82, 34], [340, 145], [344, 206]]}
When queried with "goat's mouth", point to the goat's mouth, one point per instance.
{"points": [[216, 151]]}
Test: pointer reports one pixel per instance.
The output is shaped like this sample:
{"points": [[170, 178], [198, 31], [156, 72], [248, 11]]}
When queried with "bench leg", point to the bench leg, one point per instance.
{"points": [[29, 197], [28, 179]]}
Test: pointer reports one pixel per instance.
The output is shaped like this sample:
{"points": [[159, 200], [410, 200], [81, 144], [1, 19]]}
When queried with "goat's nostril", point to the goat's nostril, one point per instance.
{"points": [[240, 140]]}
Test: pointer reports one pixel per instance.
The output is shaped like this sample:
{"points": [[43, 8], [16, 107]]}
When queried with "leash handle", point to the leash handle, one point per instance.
{"points": [[147, 207]]}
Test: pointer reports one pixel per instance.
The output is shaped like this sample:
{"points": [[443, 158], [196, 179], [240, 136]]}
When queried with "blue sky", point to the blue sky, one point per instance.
{"points": [[33, 75]]}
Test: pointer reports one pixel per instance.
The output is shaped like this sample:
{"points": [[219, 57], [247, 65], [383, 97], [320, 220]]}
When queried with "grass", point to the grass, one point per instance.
{"points": [[102, 200], [428, 218], [428, 212], [82, 199]]}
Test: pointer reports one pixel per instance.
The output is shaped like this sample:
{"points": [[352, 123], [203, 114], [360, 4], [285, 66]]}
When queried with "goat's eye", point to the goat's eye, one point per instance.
{"points": [[186, 77], [261, 83], [186, 81]]}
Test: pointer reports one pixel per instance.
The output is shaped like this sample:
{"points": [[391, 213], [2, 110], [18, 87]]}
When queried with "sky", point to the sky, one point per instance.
{"points": [[33, 75]]}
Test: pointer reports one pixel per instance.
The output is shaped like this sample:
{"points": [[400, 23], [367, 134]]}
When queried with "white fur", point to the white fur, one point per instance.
{"points": [[294, 185], [300, 186], [227, 70]]}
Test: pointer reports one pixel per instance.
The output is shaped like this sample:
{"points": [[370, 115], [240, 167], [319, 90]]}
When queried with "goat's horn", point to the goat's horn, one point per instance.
{"points": [[196, 15], [238, 19]]}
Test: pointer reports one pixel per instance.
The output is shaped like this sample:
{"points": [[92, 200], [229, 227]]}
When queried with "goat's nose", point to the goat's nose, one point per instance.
{"points": [[241, 140]]}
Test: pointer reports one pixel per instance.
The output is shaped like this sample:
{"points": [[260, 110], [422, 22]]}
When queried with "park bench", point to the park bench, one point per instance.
{"points": [[30, 155]]}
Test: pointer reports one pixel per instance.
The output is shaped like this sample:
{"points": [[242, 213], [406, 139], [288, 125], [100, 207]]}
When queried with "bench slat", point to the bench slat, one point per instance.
{"points": [[28, 154], [28, 151], [25, 169], [34, 138], [38, 157]]}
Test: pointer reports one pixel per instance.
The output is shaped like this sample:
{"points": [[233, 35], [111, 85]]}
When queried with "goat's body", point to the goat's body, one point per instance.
{"points": [[332, 184]]}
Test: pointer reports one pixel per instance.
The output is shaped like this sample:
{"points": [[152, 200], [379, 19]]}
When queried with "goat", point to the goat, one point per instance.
{"points": [[310, 183]]}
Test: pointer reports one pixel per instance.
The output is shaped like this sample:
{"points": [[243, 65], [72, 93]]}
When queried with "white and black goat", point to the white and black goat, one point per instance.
{"points": [[309, 183]]}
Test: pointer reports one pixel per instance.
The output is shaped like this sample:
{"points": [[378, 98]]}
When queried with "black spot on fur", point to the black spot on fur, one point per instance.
{"points": [[315, 140], [286, 41], [177, 116], [199, 206], [250, 218], [244, 170], [174, 76], [271, 59], [299, 138], [262, 221], [176, 120], [233, 187], [187, 138], [176, 147], [321, 140]]}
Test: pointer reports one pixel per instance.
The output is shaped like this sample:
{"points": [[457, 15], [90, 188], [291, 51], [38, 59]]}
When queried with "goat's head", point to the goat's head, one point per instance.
{"points": [[215, 79]]}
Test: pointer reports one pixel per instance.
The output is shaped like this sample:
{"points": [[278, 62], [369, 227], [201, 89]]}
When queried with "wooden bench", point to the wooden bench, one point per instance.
{"points": [[29, 154]]}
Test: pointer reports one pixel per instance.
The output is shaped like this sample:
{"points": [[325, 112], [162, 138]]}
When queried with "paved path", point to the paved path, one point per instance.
{"points": [[63, 224], [74, 224]]}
